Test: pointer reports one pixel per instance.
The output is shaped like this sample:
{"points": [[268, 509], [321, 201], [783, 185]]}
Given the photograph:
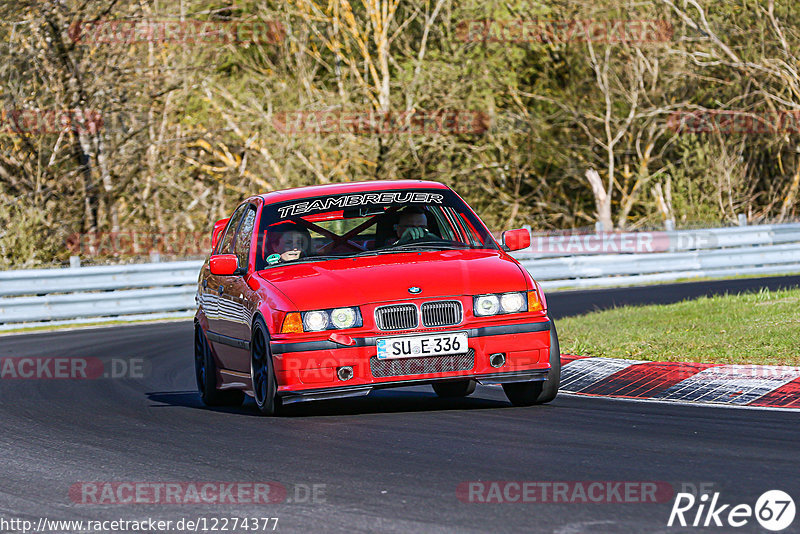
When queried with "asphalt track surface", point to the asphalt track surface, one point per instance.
{"points": [[390, 462]]}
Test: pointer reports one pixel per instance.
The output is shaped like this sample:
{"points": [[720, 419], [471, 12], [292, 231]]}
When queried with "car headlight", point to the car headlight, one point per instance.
{"points": [[486, 305], [332, 319], [314, 321], [343, 317], [512, 302]]}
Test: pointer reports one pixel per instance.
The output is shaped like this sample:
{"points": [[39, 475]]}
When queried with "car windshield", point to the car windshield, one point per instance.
{"points": [[368, 223]]}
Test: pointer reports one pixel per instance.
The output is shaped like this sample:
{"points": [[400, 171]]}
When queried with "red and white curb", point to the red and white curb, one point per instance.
{"points": [[739, 385]]}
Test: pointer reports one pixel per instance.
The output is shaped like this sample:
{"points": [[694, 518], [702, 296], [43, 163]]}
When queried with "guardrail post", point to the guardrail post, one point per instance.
{"points": [[74, 262], [669, 225], [742, 219]]}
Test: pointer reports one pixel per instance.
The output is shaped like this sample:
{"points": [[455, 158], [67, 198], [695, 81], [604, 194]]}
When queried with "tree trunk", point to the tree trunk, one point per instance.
{"points": [[602, 200]]}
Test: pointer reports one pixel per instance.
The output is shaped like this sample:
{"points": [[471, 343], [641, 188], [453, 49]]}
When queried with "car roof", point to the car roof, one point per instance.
{"points": [[347, 187]]}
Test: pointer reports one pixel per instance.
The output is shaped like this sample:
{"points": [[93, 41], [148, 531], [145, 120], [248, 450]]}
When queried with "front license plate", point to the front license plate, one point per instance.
{"points": [[426, 345]]}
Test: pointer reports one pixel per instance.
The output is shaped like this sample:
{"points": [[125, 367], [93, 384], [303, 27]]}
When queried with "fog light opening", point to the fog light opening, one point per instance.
{"points": [[497, 360], [344, 373]]}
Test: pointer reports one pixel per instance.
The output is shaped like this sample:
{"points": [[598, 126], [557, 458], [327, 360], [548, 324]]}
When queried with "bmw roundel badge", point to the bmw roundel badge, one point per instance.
{"points": [[414, 290]]}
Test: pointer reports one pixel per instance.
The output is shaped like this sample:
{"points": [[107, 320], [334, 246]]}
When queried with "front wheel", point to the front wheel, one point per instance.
{"points": [[205, 371], [455, 388], [265, 387], [530, 393]]}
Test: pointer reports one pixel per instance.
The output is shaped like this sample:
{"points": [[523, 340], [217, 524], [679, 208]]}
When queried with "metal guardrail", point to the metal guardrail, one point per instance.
{"points": [[556, 261], [115, 291], [110, 303], [103, 278], [633, 269], [579, 261], [565, 244]]}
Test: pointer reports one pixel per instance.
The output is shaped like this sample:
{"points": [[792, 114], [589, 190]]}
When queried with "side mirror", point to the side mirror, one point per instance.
{"points": [[224, 264], [516, 239], [219, 226]]}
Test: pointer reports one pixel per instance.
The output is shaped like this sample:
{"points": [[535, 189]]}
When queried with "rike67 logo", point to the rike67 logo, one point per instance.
{"points": [[774, 510]]}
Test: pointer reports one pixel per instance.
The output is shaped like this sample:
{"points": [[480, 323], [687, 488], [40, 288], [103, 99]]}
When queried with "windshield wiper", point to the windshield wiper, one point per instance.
{"points": [[396, 249], [390, 250], [445, 245], [411, 247]]}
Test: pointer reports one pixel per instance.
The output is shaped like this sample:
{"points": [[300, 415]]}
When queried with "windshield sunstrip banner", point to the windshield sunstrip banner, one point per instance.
{"points": [[345, 201]]}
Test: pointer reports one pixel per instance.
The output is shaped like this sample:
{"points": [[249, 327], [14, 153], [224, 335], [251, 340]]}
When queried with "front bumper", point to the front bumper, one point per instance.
{"points": [[306, 370]]}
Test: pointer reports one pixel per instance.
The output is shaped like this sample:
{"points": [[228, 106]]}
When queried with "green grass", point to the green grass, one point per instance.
{"points": [[755, 328]]}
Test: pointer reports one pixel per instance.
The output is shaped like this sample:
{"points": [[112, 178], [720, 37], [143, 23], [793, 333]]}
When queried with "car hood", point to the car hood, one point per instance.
{"points": [[388, 277]]}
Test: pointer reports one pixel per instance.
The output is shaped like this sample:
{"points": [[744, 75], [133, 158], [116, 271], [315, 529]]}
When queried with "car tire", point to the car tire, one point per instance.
{"points": [[262, 371], [454, 388], [205, 371], [540, 392]]}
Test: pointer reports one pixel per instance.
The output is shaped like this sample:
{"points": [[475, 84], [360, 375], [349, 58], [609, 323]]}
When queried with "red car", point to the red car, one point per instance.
{"points": [[335, 290]]}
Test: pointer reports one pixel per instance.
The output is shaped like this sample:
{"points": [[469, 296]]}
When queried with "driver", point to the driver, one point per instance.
{"points": [[412, 225], [288, 241]]}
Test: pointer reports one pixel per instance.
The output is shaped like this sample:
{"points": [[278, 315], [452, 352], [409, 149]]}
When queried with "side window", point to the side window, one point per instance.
{"points": [[474, 238], [241, 246], [443, 219], [226, 245]]}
